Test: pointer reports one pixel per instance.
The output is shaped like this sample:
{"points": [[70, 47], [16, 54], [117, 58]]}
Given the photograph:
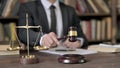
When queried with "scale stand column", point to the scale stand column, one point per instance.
{"points": [[28, 59]]}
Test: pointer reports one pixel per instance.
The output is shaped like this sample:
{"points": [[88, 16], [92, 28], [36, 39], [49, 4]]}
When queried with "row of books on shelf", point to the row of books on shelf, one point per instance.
{"points": [[97, 29], [10, 7], [8, 32], [90, 6]]}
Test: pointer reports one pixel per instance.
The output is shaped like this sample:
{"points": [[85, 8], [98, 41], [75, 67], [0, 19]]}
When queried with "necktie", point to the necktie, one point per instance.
{"points": [[53, 18]]}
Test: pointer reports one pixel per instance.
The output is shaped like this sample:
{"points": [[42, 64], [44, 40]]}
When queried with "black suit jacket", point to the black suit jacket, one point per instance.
{"points": [[37, 16]]}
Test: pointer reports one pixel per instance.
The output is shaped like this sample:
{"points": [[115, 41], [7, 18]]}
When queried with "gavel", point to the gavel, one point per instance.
{"points": [[72, 34]]}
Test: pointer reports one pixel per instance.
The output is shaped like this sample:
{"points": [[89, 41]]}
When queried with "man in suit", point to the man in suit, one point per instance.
{"points": [[39, 14]]}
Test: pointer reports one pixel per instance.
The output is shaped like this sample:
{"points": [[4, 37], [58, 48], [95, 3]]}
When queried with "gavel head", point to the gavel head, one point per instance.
{"points": [[72, 34]]}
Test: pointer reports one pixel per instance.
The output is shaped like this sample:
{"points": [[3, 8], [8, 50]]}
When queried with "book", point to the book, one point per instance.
{"points": [[12, 31], [15, 9], [7, 8], [118, 6], [80, 6], [93, 6], [70, 3], [98, 6], [2, 36], [93, 29], [98, 33], [83, 26], [89, 7], [88, 32], [109, 27], [103, 29], [105, 48], [2, 5], [118, 28], [101, 4]]}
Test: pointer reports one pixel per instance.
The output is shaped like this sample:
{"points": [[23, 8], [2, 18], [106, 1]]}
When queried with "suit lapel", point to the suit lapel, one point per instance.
{"points": [[43, 17], [65, 18]]}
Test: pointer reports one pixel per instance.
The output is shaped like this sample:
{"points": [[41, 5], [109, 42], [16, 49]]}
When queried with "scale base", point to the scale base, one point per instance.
{"points": [[29, 59]]}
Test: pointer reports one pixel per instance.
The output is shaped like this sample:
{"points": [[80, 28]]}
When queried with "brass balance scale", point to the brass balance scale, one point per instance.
{"points": [[27, 59]]}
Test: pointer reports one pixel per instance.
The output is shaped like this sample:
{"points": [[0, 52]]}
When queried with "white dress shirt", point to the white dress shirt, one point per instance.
{"points": [[59, 23]]}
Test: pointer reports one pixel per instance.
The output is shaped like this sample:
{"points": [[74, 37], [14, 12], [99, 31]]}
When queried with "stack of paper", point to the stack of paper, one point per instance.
{"points": [[62, 51]]}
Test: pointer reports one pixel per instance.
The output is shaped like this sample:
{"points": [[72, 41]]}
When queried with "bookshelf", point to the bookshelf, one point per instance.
{"points": [[95, 14], [7, 24], [86, 16], [8, 18]]}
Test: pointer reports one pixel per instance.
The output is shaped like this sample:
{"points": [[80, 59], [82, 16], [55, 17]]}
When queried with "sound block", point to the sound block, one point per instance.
{"points": [[29, 59], [71, 59]]}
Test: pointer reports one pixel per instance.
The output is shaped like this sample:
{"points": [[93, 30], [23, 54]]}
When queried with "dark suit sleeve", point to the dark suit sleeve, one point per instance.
{"points": [[22, 34], [76, 22]]}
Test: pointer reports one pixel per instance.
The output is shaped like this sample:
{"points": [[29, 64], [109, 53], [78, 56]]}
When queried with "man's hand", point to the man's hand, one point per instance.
{"points": [[75, 44], [50, 40]]}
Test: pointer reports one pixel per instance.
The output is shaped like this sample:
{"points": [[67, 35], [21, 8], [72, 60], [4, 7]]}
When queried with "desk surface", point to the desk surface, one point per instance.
{"points": [[101, 60]]}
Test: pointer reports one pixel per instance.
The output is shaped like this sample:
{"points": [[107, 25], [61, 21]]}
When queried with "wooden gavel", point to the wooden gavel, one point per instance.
{"points": [[72, 35]]}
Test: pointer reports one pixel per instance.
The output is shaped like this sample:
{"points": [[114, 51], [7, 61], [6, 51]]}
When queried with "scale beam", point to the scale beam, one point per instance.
{"points": [[28, 27]]}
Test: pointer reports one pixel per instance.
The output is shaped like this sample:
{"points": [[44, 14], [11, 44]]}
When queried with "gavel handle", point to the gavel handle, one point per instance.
{"points": [[61, 38]]}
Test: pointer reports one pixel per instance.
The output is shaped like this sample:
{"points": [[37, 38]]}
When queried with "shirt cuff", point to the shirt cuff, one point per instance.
{"points": [[41, 39], [81, 40]]}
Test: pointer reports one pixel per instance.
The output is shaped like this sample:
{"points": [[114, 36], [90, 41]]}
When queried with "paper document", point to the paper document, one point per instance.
{"points": [[62, 51], [9, 52], [108, 45], [4, 51], [105, 47]]}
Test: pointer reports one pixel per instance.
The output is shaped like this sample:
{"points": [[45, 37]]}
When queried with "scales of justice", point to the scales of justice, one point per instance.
{"points": [[27, 59]]}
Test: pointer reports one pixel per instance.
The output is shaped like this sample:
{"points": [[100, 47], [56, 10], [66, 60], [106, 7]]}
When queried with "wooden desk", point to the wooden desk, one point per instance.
{"points": [[102, 60]]}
